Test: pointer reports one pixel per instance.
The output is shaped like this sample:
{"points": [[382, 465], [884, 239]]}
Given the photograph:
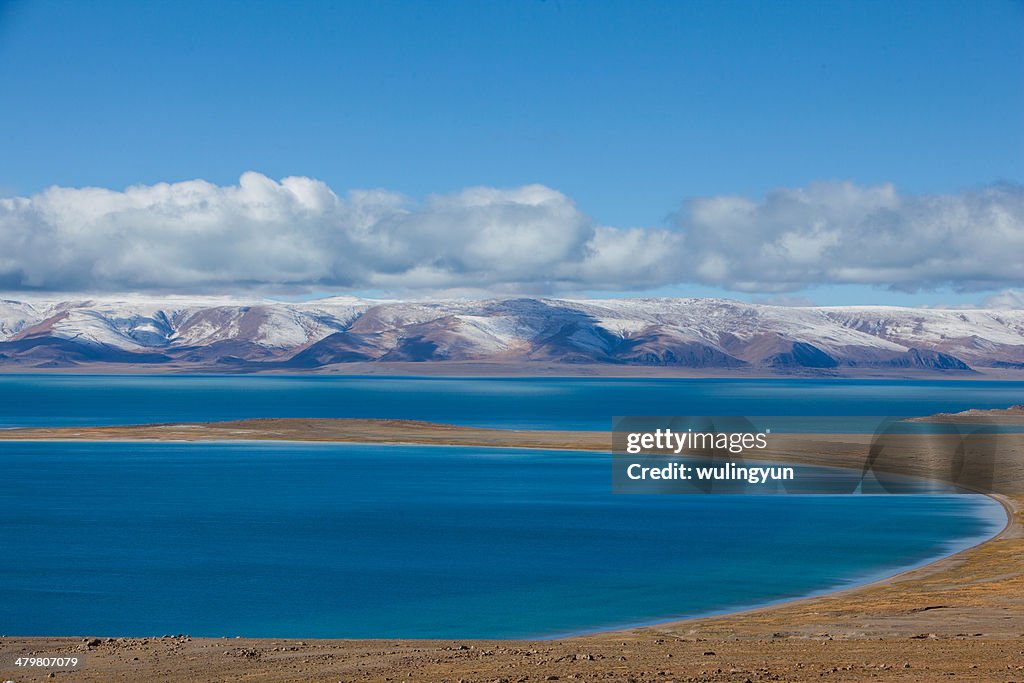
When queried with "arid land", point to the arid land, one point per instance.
{"points": [[961, 618]]}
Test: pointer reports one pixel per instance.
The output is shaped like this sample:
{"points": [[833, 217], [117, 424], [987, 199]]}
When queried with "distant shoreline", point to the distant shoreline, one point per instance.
{"points": [[535, 370]]}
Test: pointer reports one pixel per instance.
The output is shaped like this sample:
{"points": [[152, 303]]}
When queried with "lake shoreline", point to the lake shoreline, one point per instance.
{"points": [[970, 603], [531, 370]]}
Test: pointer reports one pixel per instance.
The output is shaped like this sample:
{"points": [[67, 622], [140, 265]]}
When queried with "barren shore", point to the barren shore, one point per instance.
{"points": [[959, 618]]}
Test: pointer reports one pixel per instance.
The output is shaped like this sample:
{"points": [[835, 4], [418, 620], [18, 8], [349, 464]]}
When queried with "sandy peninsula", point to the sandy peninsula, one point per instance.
{"points": [[961, 618], [1014, 415]]}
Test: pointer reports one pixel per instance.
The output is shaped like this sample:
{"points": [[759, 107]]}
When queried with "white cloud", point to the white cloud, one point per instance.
{"points": [[842, 233], [299, 234], [1008, 298]]}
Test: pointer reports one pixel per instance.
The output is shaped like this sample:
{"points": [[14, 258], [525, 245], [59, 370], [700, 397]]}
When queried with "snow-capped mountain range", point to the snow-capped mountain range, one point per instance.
{"points": [[229, 335]]}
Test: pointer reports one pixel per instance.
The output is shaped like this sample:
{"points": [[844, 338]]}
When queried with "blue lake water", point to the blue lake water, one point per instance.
{"points": [[532, 403], [395, 541], [389, 541]]}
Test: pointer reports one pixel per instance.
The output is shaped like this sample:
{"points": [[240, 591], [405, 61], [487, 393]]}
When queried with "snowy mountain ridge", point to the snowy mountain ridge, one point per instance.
{"points": [[207, 333]]}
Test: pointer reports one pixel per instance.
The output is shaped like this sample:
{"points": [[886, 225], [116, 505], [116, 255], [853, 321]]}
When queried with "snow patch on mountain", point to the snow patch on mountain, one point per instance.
{"points": [[699, 332]]}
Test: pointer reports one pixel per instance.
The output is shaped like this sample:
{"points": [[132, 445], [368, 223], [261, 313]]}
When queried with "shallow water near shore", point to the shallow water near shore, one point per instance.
{"points": [[325, 540]]}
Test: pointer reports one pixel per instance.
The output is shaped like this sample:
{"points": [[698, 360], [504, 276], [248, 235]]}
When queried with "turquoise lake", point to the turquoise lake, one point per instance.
{"points": [[322, 540], [531, 403]]}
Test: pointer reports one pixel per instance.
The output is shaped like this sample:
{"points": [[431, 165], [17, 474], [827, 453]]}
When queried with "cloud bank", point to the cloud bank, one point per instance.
{"points": [[1008, 299], [842, 233], [298, 234]]}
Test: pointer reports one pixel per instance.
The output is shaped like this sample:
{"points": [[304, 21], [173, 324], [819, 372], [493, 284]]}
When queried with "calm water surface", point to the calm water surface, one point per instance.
{"points": [[394, 541], [265, 539], [529, 403]]}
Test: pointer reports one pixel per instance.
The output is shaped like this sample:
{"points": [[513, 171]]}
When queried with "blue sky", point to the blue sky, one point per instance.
{"points": [[627, 109]]}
